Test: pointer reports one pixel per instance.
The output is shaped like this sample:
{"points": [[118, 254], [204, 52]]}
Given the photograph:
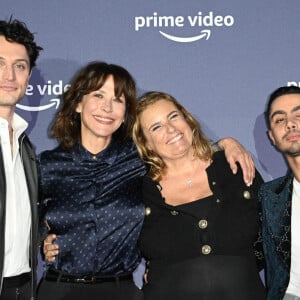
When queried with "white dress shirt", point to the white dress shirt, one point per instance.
{"points": [[294, 284], [18, 213]]}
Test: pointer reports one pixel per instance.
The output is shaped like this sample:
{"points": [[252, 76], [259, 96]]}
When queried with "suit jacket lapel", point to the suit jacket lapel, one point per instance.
{"points": [[279, 219]]}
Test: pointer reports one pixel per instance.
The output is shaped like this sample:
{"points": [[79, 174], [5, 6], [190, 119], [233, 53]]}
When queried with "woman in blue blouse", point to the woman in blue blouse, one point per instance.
{"points": [[90, 189], [90, 195]]}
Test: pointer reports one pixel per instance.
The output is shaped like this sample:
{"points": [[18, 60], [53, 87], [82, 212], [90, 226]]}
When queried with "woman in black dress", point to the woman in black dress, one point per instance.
{"points": [[200, 232]]}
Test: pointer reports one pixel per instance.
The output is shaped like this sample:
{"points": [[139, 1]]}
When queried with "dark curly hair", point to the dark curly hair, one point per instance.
{"points": [[17, 32]]}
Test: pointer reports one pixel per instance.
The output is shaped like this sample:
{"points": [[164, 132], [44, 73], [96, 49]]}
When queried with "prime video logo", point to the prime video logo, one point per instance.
{"points": [[200, 20], [50, 89]]}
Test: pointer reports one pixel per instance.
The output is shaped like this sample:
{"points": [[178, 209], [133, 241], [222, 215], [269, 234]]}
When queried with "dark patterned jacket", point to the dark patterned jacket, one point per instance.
{"points": [[29, 163], [275, 197]]}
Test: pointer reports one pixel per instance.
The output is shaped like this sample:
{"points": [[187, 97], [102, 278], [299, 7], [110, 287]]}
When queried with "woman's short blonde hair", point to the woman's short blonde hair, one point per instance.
{"points": [[201, 145]]}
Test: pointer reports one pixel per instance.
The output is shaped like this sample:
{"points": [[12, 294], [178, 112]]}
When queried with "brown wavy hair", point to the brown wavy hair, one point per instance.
{"points": [[66, 126], [201, 145]]}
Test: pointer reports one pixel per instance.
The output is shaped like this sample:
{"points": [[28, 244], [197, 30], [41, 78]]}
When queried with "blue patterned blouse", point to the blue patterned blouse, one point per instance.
{"points": [[93, 204]]}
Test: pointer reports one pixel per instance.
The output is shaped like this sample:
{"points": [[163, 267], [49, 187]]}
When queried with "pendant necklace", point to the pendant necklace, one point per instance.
{"points": [[189, 181]]}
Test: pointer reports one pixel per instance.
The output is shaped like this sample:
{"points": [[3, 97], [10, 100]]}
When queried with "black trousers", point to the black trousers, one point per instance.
{"points": [[124, 290], [16, 293]]}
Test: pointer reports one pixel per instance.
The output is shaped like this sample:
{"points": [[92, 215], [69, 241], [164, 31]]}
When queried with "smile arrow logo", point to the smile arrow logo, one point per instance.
{"points": [[205, 33], [55, 102]]}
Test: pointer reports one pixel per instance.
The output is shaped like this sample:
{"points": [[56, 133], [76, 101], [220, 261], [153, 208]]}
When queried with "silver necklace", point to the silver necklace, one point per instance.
{"points": [[189, 181]]}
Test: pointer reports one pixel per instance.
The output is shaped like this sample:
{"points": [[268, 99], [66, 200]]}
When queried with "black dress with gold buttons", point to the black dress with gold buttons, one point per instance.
{"points": [[207, 249]]}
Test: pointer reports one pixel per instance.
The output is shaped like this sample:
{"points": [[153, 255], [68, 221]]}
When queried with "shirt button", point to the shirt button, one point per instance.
{"points": [[247, 195], [206, 249], [218, 200], [174, 212], [147, 211], [202, 224], [214, 183]]}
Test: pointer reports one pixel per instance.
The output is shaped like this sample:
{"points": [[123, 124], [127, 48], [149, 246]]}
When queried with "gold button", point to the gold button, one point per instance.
{"points": [[247, 195], [202, 224], [174, 212], [94, 157], [206, 249], [147, 211]]}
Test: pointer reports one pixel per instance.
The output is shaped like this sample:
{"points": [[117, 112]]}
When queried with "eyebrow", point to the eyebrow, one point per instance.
{"points": [[281, 112], [18, 60], [168, 115]]}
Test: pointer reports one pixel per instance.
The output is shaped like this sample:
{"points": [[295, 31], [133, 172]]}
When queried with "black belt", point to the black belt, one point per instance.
{"points": [[59, 276], [16, 281]]}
